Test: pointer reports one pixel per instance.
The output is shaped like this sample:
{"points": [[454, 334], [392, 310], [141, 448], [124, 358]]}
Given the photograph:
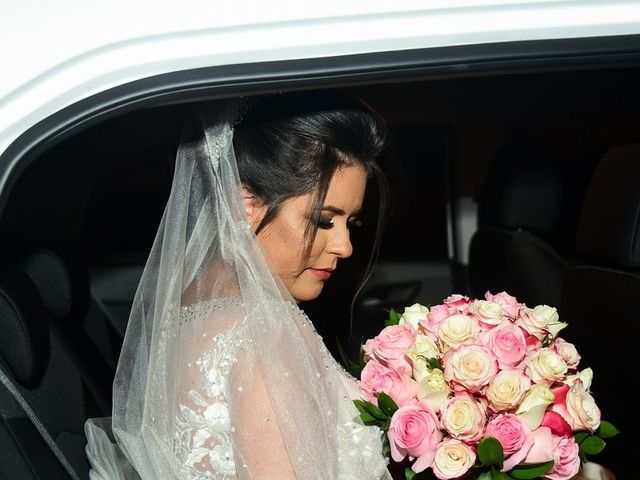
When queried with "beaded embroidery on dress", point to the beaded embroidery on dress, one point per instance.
{"points": [[204, 431], [203, 425]]}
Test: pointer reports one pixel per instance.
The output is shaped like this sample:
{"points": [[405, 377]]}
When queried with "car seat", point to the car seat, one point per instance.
{"points": [[601, 296], [518, 213]]}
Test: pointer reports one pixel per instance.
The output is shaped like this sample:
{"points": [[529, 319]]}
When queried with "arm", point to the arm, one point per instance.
{"points": [[224, 416]]}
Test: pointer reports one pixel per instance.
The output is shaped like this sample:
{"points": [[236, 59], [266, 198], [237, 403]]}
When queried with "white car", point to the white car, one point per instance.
{"points": [[513, 156]]}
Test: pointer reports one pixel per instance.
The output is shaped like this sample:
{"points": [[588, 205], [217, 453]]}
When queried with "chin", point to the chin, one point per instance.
{"points": [[307, 294]]}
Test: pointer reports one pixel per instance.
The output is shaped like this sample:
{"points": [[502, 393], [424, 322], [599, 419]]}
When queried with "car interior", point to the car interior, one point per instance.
{"points": [[525, 181]]}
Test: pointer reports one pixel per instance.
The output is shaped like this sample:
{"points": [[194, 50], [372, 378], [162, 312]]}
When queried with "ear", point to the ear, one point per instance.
{"points": [[254, 207]]}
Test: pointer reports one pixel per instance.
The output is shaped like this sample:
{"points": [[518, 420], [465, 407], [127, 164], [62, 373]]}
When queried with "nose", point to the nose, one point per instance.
{"points": [[340, 243]]}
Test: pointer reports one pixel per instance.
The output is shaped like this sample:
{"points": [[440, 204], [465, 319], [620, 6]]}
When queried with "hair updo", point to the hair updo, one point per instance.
{"points": [[291, 144]]}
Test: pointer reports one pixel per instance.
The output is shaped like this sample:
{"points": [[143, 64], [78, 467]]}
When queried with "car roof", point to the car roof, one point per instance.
{"points": [[55, 54]]}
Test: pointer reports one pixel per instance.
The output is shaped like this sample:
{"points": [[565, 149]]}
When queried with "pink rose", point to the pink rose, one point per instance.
{"points": [[566, 459], [458, 302], [507, 343], [533, 343], [560, 399], [542, 448], [376, 378], [470, 367], [509, 304], [556, 424], [514, 435], [390, 346], [414, 431]]}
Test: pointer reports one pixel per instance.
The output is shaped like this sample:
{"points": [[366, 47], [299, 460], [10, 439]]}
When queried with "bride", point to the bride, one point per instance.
{"points": [[221, 375]]}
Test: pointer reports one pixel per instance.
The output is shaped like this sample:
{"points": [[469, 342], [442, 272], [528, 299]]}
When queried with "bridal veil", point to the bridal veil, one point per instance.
{"points": [[221, 375]]}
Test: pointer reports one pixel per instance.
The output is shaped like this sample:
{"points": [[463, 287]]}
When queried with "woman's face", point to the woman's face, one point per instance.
{"points": [[283, 239]]}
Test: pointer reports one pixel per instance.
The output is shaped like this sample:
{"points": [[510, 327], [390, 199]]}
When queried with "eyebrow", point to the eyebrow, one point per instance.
{"points": [[339, 211]]}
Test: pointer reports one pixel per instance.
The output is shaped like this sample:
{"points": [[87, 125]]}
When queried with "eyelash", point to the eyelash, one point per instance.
{"points": [[328, 224]]}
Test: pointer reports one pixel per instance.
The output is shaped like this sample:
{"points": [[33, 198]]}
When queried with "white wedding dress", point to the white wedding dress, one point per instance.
{"points": [[205, 431]]}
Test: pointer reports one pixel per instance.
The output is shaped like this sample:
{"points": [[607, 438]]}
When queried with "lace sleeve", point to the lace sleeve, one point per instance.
{"points": [[223, 428]]}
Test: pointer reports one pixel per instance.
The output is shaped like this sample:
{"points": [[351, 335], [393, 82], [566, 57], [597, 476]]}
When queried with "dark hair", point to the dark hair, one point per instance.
{"points": [[291, 144]]}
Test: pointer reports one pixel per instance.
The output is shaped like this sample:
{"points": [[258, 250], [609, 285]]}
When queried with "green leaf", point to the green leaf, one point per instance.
{"points": [[607, 430], [386, 450], [352, 367], [488, 475], [580, 436], [360, 405], [497, 475], [434, 363], [409, 474], [368, 419], [592, 445], [583, 456], [394, 318], [530, 471], [387, 404], [367, 407], [490, 452]]}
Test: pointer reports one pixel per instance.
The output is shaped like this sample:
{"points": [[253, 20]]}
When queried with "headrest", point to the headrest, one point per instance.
{"points": [[523, 189], [609, 228], [24, 327], [60, 278]]}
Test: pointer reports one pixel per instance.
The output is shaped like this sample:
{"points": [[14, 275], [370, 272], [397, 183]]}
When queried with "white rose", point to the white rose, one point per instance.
{"points": [[535, 403], [433, 389], [472, 366], [424, 349], [545, 366], [463, 417], [413, 314], [567, 351], [585, 376], [458, 330], [507, 389], [487, 312], [582, 408], [532, 324], [452, 459], [549, 315]]}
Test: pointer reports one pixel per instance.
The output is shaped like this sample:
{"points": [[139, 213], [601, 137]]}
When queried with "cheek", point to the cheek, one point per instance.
{"points": [[317, 247], [283, 246]]}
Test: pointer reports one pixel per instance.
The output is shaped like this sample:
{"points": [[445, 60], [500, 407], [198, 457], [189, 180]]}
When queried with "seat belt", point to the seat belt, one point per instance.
{"points": [[8, 384]]}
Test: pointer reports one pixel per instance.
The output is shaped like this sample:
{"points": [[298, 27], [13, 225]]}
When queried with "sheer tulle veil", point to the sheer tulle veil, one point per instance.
{"points": [[283, 389]]}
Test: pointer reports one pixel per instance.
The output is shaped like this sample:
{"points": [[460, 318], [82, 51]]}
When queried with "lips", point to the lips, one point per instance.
{"points": [[321, 273]]}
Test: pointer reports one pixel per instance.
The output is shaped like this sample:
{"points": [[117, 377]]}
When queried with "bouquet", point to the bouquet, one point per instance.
{"points": [[480, 389]]}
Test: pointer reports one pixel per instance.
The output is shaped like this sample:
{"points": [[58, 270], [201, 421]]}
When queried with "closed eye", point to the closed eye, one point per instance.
{"points": [[325, 223]]}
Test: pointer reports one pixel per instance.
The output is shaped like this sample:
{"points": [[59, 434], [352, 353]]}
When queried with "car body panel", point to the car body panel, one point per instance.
{"points": [[55, 54]]}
